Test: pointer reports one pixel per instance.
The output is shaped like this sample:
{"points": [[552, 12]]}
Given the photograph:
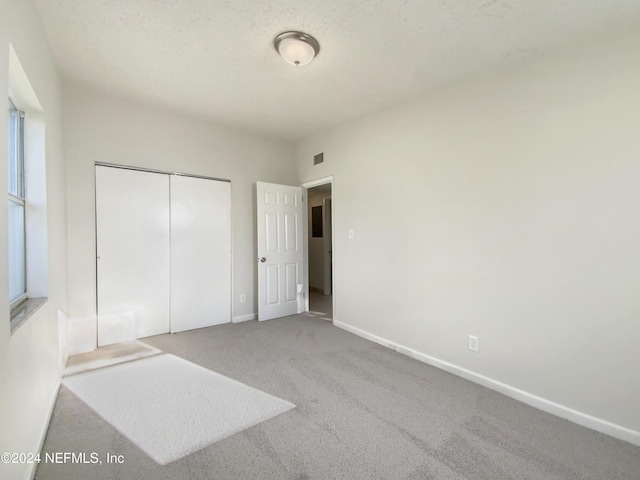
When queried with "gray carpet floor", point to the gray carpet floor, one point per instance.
{"points": [[363, 412]]}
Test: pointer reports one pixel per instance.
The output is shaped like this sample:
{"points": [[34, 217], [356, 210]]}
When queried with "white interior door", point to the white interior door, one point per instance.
{"points": [[280, 250], [132, 223], [200, 253]]}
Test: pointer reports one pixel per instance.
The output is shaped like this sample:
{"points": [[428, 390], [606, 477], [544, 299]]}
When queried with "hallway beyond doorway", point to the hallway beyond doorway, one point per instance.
{"points": [[321, 305]]}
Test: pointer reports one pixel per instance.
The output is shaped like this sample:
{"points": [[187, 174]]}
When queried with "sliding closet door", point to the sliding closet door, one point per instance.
{"points": [[132, 222], [200, 253]]}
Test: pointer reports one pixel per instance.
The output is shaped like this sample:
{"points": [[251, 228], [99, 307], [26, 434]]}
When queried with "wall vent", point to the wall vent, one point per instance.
{"points": [[319, 158]]}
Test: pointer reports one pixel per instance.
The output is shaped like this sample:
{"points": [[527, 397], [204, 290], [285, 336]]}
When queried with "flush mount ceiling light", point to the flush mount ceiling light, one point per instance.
{"points": [[296, 48]]}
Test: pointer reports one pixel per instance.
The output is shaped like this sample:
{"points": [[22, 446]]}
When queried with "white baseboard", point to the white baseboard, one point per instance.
{"points": [[244, 318], [31, 474], [594, 423]]}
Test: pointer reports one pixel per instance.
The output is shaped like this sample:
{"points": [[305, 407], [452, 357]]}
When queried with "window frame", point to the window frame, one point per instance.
{"points": [[17, 163]]}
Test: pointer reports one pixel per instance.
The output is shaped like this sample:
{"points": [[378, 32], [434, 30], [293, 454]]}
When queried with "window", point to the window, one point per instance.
{"points": [[17, 207], [27, 264]]}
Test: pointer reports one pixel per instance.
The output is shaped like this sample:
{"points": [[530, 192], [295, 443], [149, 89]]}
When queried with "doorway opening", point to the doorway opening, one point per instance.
{"points": [[320, 248]]}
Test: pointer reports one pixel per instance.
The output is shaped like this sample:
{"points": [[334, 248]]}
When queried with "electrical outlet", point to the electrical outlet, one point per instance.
{"points": [[243, 298], [474, 344], [350, 233]]}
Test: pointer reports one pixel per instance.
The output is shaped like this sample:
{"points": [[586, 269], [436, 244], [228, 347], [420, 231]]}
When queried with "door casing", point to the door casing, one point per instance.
{"points": [[305, 192]]}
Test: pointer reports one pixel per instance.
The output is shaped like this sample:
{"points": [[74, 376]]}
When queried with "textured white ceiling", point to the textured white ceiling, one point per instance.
{"points": [[216, 57]]}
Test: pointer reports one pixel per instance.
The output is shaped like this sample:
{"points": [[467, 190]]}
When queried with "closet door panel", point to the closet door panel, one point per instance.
{"points": [[200, 253], [133, 250]]}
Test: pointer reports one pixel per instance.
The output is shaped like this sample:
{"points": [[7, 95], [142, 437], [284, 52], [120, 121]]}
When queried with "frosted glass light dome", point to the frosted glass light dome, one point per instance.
{"points": [[296, 48]]}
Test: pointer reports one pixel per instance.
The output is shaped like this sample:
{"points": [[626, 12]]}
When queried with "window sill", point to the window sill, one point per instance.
{"points": [[21, 312]]}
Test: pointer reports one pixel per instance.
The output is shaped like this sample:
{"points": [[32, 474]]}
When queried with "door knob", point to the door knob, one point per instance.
{"points": [[263, 259]]}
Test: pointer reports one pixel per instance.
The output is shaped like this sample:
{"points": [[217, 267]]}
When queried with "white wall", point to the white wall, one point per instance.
{"points": [[30, 356], [507, 207], [101, 128]]}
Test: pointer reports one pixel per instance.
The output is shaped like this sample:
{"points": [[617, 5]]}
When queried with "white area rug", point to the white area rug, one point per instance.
{"points": [[170, 407]]}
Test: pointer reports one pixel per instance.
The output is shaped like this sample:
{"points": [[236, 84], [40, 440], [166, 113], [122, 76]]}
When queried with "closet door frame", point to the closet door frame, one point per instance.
{"points": [[169, 174]]}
